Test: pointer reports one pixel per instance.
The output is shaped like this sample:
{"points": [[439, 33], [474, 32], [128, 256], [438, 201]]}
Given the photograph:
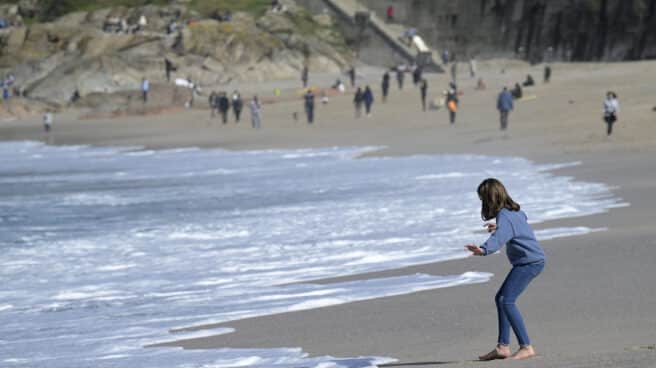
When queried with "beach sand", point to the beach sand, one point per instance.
{"points": [[594, 306]]}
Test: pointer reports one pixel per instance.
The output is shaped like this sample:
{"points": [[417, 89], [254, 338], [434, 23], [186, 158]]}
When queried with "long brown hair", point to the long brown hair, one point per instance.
{"points": [[494, 197]]}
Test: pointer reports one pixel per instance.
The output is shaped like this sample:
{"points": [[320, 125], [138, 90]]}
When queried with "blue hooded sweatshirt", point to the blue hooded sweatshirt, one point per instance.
{"points": [[505, 101], [514, 231]]}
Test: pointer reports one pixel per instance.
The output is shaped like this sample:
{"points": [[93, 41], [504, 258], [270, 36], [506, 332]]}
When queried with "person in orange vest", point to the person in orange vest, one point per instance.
{"points": [[452, 103]]}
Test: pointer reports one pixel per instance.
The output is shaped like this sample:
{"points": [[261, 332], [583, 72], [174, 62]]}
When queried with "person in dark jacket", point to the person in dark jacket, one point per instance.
{"points": [[304, 76], [368, 97], [547, 74], [358, 99], [224, 106], [385, 85], [400, 70], [416, 75], [351, 74], [237, 105], [505, 106], [423, 88], [309, 105], [517, 91]]}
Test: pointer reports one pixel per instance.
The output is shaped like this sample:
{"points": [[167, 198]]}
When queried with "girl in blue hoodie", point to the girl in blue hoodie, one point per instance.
{"points": [[525, 255]]}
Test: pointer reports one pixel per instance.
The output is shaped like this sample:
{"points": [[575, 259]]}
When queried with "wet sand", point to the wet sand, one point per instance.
{"points": [[594, 304]]}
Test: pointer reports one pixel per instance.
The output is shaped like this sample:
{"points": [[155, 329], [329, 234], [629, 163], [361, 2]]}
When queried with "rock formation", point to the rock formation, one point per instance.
{"points": [[80, 51]]}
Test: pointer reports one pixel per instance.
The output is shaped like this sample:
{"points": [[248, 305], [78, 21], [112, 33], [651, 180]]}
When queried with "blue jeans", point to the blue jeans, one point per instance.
{"points": [[516, 282]]}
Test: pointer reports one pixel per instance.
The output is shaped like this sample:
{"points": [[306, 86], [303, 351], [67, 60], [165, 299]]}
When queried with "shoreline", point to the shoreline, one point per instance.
{"points": [[592, 302]]}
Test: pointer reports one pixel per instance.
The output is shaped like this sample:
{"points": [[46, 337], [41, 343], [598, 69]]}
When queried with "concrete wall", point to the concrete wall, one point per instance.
{"points": [[371, 48]]}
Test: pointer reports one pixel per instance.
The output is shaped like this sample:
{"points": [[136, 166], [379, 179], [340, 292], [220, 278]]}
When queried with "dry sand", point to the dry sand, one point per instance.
{"points": [[595, 304]]}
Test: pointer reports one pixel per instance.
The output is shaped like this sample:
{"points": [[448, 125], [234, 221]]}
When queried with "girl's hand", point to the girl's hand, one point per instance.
{"points": [[475, 249], [490, 227]]}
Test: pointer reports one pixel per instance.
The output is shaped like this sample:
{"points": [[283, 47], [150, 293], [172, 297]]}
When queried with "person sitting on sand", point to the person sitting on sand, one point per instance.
{"points": [[525, 255], [339, 86], [517, 91], [529, 81]]}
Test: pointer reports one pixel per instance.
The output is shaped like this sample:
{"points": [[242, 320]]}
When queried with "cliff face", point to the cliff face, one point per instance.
{"points": [[572, 30], [77, 52]]}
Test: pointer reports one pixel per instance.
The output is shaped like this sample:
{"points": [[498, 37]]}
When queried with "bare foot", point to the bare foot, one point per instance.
{"points": [[499, 352], [524, 353]]}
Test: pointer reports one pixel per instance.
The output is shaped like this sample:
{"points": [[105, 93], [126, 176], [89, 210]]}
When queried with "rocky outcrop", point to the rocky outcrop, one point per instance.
{"points": [[52, 60]]}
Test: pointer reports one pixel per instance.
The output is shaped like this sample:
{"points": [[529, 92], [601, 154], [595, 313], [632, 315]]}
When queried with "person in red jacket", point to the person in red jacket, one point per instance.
{"points": [[390, 14]]}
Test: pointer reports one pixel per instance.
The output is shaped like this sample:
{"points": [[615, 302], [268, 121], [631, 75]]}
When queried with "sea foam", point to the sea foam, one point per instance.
{"points": [[107, 249]]}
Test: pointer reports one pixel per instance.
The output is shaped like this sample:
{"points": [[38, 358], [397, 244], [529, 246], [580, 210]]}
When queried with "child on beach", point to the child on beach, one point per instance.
{"points": [[525, 255]]}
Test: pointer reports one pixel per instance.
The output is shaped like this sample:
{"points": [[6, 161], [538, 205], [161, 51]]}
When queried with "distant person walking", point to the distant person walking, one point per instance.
{"points": [[351, 74], [385, 85], [511, 228], [309, 105], [168, 68], [47, 121], [390, 14], [145, 87], [5, 93], [445, 56], [611, 109], [472, 68], [454, 71], [417, 74], [256, 114], [224, 106], [452, 104], [505, 106], [423, 88], [212, 101], [400, 75], [304, 76], [368, 97], [237, 105], [358, 99], [547, 73]]}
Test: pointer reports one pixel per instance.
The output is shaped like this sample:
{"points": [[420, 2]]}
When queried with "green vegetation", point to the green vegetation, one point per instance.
{"points": [[51, 9]]}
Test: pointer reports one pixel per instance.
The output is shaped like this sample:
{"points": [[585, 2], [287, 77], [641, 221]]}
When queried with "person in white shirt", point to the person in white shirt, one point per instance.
{"points": [[47, 121], [611, 109], [145, 87]]}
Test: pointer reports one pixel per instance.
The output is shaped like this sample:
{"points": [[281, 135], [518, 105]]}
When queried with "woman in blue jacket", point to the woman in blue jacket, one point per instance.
{"points": [[525, 255], [368, 97]]}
